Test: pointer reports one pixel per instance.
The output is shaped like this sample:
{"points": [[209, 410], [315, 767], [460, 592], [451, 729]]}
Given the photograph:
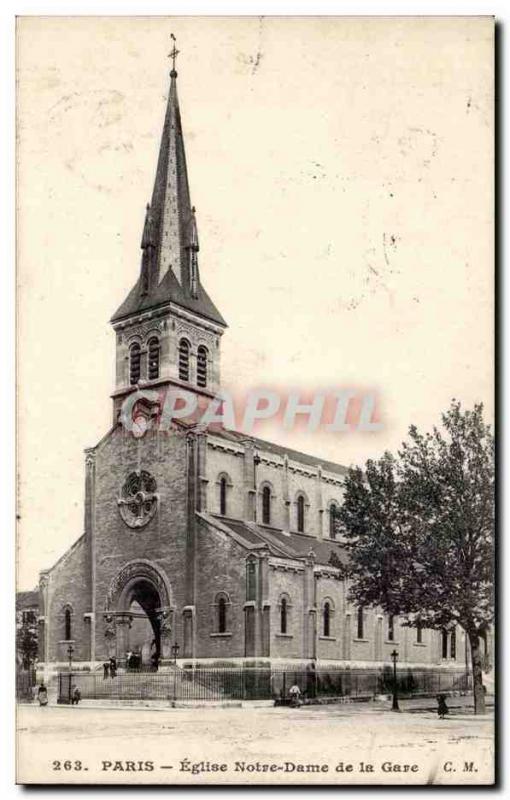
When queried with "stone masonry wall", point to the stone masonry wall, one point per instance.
{"points": [[286, 483], [162, 541], [221, 567], [288, 583], [329, 590], [67, 588]]}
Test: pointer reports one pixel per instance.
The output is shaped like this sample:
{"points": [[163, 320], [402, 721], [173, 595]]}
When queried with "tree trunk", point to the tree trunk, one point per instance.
{"points": [[476, 666]]}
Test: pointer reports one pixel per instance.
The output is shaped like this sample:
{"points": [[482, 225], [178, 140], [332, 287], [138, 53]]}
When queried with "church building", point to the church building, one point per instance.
{"points": [[210, 546]]}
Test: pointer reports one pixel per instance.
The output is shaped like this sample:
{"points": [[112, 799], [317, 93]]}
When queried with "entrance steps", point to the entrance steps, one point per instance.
{"points": [[167, 684]]}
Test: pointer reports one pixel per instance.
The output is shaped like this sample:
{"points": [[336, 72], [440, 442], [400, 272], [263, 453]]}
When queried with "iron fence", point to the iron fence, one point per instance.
{"points": [[25, 682], [248, 683]]}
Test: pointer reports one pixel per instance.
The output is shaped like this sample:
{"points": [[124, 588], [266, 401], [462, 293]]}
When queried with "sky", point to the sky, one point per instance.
{"points": [[342, 171]]}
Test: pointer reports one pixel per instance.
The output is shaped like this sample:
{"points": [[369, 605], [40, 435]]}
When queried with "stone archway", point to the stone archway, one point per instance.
{"points": [[138, 614], [144, 631]]}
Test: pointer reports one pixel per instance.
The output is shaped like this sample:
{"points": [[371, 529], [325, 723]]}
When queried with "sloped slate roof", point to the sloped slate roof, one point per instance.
{"points": [[168, 291], [290, 545], [27, 599]]}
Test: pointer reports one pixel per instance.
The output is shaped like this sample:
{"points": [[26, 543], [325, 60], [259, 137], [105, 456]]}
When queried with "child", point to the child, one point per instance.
{"points": [[442, 708], [294, 693]]}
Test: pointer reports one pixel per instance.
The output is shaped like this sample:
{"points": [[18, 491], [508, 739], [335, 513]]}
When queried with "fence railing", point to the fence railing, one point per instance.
{"points": [[25, 682], [248, 683]]}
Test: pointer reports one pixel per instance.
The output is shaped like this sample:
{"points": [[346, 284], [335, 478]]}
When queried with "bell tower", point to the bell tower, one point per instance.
{"points": [[168, 330]]}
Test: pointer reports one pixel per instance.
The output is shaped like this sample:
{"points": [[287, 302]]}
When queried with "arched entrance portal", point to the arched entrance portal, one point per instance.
{"points": [[138, 615], [144, 631]]}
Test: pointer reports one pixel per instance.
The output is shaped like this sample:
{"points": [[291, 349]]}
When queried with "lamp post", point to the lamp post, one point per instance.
{"points": [[175, 651], [70, 651], [395, 706]]}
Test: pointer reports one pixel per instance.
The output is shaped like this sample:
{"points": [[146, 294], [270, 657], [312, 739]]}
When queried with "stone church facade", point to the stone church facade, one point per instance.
{"points": [[215, 541]]}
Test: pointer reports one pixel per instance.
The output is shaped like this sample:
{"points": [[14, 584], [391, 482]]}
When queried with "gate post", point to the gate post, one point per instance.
{"points": [[64, 688]]}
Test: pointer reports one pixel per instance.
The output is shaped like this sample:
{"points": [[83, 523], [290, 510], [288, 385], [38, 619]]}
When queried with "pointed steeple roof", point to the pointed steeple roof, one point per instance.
{"points": [[169, 269]]}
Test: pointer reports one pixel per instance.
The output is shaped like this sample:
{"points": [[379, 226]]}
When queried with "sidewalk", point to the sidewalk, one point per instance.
{"points": [[412, 704], [463, 704]]}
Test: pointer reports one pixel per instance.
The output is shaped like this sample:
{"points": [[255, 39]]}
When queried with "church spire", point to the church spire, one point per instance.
{"points": [[169, 268], [171, 206]]}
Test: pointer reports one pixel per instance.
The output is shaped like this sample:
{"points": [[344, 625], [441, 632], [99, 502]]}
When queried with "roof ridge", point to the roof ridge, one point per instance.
{"points": [[216, 523], [271, 540], [240, 437]]}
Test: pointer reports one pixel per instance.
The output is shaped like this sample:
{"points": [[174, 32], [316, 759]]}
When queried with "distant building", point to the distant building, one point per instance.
{"points": [[27, 612], [27, 607]]}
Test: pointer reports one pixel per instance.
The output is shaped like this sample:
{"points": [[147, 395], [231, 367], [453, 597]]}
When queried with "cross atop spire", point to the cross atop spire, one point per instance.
{"points": [[173, 55]]}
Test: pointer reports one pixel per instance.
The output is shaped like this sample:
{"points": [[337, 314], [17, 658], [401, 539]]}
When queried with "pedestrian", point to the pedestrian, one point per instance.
{"points": [[311, 679], [442, 708], [76, 696], [42, 694], [295, 695], [106, 670], [113, 667]]}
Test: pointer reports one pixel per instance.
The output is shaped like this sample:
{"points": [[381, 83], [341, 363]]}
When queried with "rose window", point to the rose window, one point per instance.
{"points": [[138, 499]]}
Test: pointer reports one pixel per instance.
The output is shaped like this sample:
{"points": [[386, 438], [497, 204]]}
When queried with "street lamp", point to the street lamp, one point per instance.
{"points": [[175, 650], [395, 706], [70, 651]]}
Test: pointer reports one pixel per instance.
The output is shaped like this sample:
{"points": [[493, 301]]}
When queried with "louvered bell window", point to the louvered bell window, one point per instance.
{"points": [[184, 360], [153, 347], [202, 366], [134, 363]]}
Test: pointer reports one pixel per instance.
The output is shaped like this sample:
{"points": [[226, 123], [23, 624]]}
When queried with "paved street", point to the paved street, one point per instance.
{"points": [[359, 743]]}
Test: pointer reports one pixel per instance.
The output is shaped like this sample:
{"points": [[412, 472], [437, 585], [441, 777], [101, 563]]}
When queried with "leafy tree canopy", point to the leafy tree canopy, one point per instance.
{"points": [[420, 526]]}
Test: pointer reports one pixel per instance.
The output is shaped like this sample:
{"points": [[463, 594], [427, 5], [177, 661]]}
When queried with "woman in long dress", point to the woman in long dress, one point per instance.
{"points": [[42, 695]]}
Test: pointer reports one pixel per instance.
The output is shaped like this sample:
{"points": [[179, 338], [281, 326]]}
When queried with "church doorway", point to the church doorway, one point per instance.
{"points": [[144, 640], [138, 616]]}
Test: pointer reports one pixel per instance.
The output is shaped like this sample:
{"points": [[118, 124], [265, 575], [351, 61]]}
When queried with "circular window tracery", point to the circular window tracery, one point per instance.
{"points": [[138, 499]]}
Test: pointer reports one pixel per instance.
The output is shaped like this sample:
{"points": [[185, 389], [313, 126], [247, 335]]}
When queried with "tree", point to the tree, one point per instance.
{"points": [[26, 641], [420, 531]]}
